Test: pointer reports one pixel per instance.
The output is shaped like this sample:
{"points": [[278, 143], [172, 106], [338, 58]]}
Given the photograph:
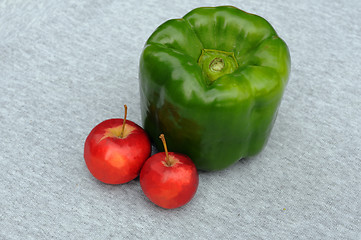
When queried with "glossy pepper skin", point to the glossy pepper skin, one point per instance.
{"points": [[212, 82]]}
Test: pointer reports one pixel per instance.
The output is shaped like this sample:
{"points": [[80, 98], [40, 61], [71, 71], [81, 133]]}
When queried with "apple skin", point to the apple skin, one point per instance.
{"points": [[115, 160], [169, 186]]}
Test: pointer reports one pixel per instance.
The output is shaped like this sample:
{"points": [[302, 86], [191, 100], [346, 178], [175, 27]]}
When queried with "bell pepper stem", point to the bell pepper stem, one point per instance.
{"points": [[216, 63]]}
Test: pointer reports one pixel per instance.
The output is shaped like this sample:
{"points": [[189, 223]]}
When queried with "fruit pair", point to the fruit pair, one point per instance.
{"points": [[118, 150]]}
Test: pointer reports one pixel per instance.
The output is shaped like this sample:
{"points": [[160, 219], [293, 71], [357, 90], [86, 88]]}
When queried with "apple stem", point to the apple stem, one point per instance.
{"points": [[125, 118], [166, 150]]}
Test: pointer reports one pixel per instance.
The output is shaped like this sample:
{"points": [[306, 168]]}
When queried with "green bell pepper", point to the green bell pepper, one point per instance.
{"points": [[212, 82]]}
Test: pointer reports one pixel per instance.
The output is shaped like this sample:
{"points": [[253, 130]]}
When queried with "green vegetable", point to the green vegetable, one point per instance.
{"points": [[212, 82]]}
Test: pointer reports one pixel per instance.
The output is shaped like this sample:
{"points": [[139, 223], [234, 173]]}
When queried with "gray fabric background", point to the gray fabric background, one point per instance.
{"points": [[65, 66]]}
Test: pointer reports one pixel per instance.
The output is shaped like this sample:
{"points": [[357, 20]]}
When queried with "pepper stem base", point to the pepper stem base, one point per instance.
{"points": [[215, 63]]}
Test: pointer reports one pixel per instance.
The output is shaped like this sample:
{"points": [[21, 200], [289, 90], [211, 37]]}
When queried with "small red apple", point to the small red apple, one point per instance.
{"points": [[116, 149], [169, 180]]}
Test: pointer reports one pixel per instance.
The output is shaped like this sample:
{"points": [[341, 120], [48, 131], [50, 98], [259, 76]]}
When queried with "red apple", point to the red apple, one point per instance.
{"points": [[169, 180], [116, 149]]}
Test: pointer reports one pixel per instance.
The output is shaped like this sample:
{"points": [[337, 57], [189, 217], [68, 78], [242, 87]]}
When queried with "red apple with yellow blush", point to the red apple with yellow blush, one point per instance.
{"points": [[170, 180], [116, 149]]}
